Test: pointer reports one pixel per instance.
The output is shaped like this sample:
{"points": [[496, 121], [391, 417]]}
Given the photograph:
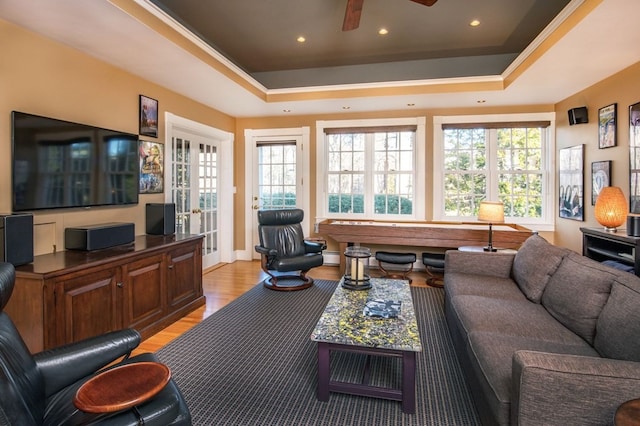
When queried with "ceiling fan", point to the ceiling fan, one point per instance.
{"points": [[354, 9]]}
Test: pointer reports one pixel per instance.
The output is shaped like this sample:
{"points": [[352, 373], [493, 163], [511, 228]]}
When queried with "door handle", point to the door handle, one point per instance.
{"points": [[196, 211], [255, 207]]}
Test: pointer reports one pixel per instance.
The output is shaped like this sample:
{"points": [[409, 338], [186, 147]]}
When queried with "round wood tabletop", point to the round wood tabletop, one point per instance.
{"points": [[628, 413], [122, 387]]}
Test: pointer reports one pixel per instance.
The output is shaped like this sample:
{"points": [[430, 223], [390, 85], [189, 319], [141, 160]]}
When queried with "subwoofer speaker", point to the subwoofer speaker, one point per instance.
{"points": [[161, 218], [578, 116], [16, 237]]}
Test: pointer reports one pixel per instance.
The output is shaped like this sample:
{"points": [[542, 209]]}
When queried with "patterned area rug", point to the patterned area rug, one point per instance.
{"points": [[253, 363]]}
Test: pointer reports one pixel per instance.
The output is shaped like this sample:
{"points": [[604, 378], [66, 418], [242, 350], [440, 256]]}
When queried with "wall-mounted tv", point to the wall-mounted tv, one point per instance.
{"points": [[60, 164]]}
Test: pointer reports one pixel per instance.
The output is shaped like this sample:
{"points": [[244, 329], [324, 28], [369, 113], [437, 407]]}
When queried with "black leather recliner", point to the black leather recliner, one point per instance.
{"points": [[284, 250], [39, 389]]}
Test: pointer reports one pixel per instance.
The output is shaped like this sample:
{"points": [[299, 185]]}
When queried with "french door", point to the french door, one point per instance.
{"points": [[194, 189]]}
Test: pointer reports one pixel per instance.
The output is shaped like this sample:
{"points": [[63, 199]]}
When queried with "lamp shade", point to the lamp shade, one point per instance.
{"points": [[611, 208], [491, 211]]}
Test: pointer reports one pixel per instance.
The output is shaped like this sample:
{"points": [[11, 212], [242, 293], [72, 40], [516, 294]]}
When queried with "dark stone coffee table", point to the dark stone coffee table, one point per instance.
{"points": [[344, 327]]}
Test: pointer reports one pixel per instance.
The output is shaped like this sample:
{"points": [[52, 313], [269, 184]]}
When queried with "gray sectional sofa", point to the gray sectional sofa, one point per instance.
{"points": [[544, 336]]}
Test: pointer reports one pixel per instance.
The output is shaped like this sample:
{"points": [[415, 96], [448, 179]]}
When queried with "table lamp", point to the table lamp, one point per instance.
{"points": [[611, 208], [492, 212]]}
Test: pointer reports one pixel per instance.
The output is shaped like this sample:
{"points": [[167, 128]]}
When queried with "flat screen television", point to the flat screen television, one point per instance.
{"points": [[59, 164]]}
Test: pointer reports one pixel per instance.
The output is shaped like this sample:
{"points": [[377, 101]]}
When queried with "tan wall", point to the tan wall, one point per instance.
{"points": [[622, 88], [42, 77]]}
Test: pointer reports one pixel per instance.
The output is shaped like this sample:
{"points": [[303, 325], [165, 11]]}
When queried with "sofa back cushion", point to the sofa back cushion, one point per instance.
{"points": [[577, 292], [618, 327], [534, 264]]}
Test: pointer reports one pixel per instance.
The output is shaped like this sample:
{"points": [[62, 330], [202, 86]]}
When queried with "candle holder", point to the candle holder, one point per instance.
{"points": [[356, 271]]}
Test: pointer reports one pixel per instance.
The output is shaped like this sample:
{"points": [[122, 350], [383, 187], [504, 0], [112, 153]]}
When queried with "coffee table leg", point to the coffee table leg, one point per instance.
{"points": [[323, 371], [409, 382]]}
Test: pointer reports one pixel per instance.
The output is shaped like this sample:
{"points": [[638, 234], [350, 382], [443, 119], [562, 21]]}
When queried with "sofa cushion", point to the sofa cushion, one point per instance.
{"points": [[535, 262], [618, 326], [577, 292]]}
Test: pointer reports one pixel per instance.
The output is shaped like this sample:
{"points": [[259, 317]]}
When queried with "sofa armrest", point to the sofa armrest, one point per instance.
{"points": [[67, 364], [570, 389], [479, 263]]}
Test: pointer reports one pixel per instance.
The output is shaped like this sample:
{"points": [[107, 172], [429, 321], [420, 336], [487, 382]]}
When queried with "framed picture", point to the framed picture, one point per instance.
{"points": [[607, 117], [151, 168], [148, 116], [600, 177], [634, 158], [571, 196]]}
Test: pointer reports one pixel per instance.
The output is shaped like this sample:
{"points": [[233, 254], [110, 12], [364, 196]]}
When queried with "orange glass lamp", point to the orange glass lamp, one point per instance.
{"points": [[611, 208], [492, 212]]}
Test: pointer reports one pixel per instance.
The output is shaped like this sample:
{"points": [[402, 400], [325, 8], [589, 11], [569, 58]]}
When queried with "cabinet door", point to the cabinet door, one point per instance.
{"points": [[185, 275], [144, 287], [87, 305]]}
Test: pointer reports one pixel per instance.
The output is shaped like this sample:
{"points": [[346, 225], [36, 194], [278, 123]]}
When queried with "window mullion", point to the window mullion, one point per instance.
{"points": [[492, 165], [369, 174]]}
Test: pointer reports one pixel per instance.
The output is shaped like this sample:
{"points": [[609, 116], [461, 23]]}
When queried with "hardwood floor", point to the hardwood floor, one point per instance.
{"points": [[224, 284]]}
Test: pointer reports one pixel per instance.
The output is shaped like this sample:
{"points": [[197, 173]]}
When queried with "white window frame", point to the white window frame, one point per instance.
{"points": [[547, 221], [419, 168]]}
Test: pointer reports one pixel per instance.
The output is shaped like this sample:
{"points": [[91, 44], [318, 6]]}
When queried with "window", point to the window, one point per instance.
{"points": [[370, 169], [490, 158]]}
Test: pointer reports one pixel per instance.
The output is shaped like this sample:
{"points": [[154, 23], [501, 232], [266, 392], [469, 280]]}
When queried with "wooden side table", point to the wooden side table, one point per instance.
{"points": [[122, 387], [628, 414]]}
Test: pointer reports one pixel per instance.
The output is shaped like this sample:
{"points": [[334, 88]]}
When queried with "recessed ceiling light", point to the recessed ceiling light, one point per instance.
{"points": [[474, 23], [383, 31], [301, 39]]}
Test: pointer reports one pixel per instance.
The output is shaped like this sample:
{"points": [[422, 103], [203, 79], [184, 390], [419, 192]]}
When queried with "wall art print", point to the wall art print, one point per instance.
{"points": [[600, 177], [634, 158], [607, 126], [571, 194], [148, 117], [151, 168]]}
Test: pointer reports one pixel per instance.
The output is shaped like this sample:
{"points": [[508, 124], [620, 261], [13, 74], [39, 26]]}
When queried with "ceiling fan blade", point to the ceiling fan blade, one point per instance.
{"points": [[425, 2], [352, 15]]}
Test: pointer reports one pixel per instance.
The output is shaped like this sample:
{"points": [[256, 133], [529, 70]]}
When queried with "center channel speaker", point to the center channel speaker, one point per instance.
{"points": [[16, 238], [96, 237], [161, 218]]}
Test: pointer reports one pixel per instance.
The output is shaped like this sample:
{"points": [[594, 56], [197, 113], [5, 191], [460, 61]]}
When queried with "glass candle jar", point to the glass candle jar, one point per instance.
{"points": [[356, 271]]}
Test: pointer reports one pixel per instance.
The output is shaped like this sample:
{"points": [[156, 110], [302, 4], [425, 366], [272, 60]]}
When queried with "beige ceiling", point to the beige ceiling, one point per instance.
{"points": [[586, 42]]}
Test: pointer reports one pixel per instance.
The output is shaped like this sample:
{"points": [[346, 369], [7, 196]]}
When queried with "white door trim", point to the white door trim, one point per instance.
{"points": [[250, 137]]}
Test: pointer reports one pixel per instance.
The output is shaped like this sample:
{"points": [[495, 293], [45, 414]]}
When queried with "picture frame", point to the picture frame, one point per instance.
{"points": [[634, 158], [151, 167], [607, 126], [148, 123], [600, 177], [571, 183]]}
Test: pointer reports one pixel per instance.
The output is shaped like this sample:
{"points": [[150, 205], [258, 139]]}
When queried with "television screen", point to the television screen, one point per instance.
{"points": [[59, 164]]}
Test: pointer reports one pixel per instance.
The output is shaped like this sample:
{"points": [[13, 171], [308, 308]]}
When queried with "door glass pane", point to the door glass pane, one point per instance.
{"points": [[277, 175], [181, 191], [208, 195]]}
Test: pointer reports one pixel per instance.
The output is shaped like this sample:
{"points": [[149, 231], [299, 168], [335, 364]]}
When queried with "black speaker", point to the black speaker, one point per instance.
{"points": [[578, 116], [161, 218], [16, 238], [96, 237], [633, 225]]}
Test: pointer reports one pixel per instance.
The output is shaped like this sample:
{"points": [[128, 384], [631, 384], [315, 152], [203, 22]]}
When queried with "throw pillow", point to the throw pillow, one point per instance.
{"points": [[577, 292], [534, 263], [618, 327]]}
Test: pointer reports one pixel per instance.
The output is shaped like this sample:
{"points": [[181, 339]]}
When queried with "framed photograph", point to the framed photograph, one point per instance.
{"points": [[634, 158], [600, 177], [148, 116], [151, 168], [571, 194], [607, 132]]}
